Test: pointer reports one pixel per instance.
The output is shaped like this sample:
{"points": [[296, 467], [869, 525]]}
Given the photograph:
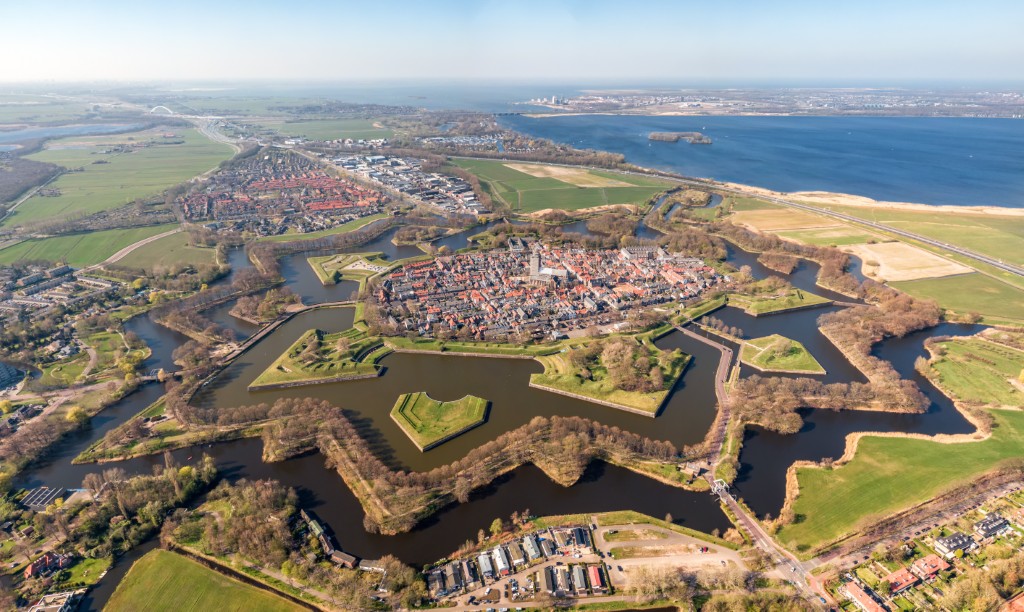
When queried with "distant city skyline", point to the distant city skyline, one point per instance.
{"points": [[669, 42]]}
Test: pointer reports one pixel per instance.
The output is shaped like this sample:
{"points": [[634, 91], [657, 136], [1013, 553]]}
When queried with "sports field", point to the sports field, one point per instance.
{"points": [[168, 251], [429, 422], [965, 293], [162, 580], [330, 129], [79, 249], [110, 178], [889, 474], [575, 188]]}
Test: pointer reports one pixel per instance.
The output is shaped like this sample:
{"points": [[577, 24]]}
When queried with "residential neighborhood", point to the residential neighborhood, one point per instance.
{"points": [[538, 290], [443, 193]]}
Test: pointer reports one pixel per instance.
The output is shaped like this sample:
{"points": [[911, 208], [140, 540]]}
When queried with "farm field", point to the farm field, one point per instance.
{"points": [[341, 229], [899, 261], [162, 580], [830, 236], [888, 474], [79, 249], [976, 292], [19, 108], [779, 354], [429, 422], [992, 235], [780, 219], [330, 129], [119, 178], [172, 250], [546, 187], [976, 370]]}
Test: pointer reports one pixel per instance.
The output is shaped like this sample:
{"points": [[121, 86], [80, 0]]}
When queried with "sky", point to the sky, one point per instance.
{"points": [[599, 41]]}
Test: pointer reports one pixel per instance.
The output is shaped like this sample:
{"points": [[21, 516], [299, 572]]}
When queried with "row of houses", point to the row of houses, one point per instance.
{"points": [[578, 579], [507, 559]]}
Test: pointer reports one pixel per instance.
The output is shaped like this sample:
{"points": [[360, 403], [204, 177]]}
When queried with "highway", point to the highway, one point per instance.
{"points": [[713, 185]]}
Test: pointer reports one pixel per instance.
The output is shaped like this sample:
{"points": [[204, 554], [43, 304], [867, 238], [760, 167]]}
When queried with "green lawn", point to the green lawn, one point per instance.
{"points": [[173, 250], [330, 129], [527, 193], [162, 580], [110, 180], [758, 305], [341, 229], [965, 293], [977, 370], [428, 422], [888, 475], [331, 268], [63, 373], [331, 362], [79, 249], [776, 353]]}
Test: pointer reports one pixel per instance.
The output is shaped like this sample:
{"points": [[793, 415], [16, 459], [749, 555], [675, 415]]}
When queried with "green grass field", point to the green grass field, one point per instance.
{"points": [[964, 293], [888, 475], [759, 305], [341, 229], [124, 177], [162, 580], [767, 354], [830, 236], [332, 268], [79, 249], [170, 251], [330, 129], [428, 422], [995, 236], [331, 361], [977, 370], [526, 193], [560, 374]]}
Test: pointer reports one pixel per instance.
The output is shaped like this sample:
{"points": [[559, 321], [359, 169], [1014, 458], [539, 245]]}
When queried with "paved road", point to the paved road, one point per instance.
{"points": [[708, 184], [118, 256], [716, 437]]}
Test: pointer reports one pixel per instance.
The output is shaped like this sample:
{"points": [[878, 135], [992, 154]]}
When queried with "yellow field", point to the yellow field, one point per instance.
{"points": [[579, 177], [898, 261], [772, 219]]}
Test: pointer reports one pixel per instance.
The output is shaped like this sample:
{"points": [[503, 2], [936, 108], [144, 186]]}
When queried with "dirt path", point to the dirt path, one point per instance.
{"points": [[118, 256]]}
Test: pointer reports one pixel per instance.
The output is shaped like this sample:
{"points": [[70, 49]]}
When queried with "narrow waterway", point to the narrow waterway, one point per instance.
{"points": [[685, 420]]}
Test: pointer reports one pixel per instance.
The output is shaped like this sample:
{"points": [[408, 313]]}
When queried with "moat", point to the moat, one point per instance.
{"points": [[686, 418]]}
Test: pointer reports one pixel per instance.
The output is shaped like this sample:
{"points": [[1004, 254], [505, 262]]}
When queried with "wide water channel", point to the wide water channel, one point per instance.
{"points": [[684, 420]]}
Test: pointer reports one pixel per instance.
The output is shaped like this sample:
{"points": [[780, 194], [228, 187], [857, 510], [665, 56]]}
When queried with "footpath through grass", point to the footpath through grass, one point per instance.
{"points": [[528, 193], [429, 422], [173, 250], [888, 475], [162, 580], [317, 357], [777, 353], [79, 249]]}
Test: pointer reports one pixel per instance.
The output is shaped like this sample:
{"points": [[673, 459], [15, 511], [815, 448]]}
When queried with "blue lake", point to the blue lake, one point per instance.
{"points": [[960, 161]]}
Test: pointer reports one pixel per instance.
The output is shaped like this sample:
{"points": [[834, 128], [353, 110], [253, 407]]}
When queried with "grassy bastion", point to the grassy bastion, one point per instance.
{"points": [[430, 423]]}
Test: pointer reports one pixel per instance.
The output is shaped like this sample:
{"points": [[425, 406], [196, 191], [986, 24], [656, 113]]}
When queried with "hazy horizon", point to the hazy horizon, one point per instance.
{"points": [[788, 43]]}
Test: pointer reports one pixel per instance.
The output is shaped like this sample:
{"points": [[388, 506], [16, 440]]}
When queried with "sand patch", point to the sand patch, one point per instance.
{"points": [[898, 261], [845, 199], [574, 176], [773, 219]]}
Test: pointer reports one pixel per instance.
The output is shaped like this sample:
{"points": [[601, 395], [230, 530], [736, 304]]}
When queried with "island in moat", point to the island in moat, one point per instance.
{"points": [[430, 423]]}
